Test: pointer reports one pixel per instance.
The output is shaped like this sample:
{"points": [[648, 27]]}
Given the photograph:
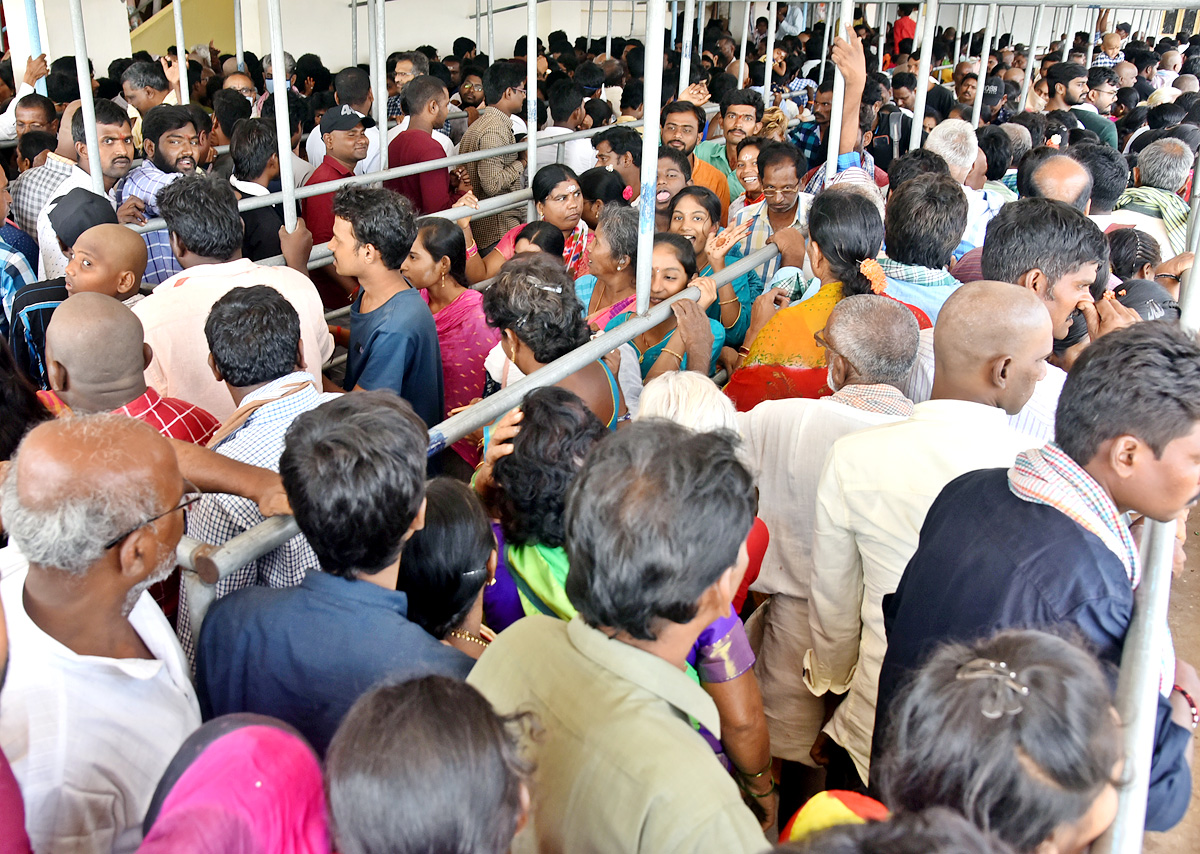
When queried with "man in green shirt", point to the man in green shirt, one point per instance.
{"points": [[1097, 106], [741, 116], [656, 527]]}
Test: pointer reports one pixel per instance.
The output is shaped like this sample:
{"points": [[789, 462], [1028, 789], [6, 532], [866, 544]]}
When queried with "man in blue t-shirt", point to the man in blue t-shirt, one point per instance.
{"points": [[393, 339]]}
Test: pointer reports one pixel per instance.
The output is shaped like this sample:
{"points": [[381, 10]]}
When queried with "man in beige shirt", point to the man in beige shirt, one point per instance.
{"points": [[504, 89], [656, 524], [206, 236]]}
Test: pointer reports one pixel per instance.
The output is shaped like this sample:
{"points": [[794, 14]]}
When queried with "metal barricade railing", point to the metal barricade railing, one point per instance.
{"points": [[206, 564]]}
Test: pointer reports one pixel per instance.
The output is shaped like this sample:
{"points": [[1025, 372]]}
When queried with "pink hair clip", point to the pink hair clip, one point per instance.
{"points": [[627, 194]]}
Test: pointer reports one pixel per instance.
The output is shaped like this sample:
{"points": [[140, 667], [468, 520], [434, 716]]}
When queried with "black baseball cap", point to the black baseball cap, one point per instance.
{"points": [[78, 211], [344, 117]]}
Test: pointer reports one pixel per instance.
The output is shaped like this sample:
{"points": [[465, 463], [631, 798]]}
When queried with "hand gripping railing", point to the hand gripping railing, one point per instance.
{"points": [[207, 564]]}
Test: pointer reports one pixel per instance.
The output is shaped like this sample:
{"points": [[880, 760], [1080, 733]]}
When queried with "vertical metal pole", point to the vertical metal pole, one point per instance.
{"points": [[655, 9], [591, 6], [86, 104], [745, 38], [371, 44], [958, 34], [479, 25], [531, 111], [379, 81], [1091, 51], [826, 39], [917, 37], [283, 122], [181, 54], [354, 32], [833, 137], [492, 33], [1137, 686], [238, 40], [607, 32], [1031, 61], [685, 53], [918, 122], [1189, 297], [35, 40], [882, 35], [769, 58], [700, 26], [633, 17], [1070, 43], [984, 54]]}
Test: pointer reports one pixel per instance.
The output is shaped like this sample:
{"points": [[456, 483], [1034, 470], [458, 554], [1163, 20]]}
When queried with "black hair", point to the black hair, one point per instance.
{"points": [[776, 153], [201, 119], [545, 237], [1165, 116], [752, 142], [548, 177], [599, 111], [37, 101], [163, 119], [351, 86], [557, 433], [706, 198], [1128, 97], [603, 185], [62, 88], [621, 140], [847, 227], [1040, 234], [1019, 776], [997, 148], [925, 220], [653, 519], [931, 831], [1035, 123], [310, 66], [463, 45], [34, 142], [632, 95], [683, 249], [360, 456], [1129, 250], [1158, 399], [744, 98], [299, 111], [19, 402], [1144, 59], [534, 296], [445, 563], [442, 238], [254, 335], [590, 77], [107, 113], [229, 108], [253, 143], [146, 75], [685, 107], [904, 80], [1062, 73], [919, 161], [202, 213], [423, 766], [379, 217], [500, 77], [1098, 75], [564, 97], [1109, 171], [420, 91], [665, 152]]}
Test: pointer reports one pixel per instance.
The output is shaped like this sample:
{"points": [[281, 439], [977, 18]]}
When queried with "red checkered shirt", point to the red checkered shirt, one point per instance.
{"points": [[171, 417]]}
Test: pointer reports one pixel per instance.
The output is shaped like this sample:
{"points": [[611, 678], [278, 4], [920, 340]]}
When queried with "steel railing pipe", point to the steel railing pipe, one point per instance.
{"points": [[769, 56], [833, 136], [239, 40], [531, 99], [283, 124], [492, 31], [745, 38], [652, 110], [985, 54], [1031, 60], [181, 55], [685, 53], [87, 104], [607, 33], [379, 73], [918, 123]]}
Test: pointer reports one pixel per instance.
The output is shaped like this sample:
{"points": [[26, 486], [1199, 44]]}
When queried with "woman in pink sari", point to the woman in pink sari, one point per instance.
{"points": [[436, 265]]}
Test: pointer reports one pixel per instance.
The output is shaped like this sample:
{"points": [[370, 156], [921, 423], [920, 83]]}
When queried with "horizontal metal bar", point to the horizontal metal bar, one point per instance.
{"points": [[277, 530], [252, 203]]}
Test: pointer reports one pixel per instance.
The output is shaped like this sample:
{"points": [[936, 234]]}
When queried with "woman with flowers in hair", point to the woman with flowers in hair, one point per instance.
{"points": [[782, 356]]}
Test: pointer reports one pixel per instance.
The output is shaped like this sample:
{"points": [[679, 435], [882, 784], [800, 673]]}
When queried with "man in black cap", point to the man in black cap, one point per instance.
{"points": [[75, 213], [344, 132]]}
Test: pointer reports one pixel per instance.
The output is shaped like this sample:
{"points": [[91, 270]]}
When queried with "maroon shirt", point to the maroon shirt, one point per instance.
{"points": [[318, 210], [428, 191]]}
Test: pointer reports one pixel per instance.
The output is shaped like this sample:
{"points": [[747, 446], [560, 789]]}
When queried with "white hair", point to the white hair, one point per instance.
{"points": [[1164, 164], [70, 533], [877, 335], [955, 140], [690, 399]]}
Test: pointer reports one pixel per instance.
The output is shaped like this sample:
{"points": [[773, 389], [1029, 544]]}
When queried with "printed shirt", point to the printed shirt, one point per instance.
{"points": [[760, 231], [171, 417], [33, 188], [15, 274], [493, 176], [146, 182]]}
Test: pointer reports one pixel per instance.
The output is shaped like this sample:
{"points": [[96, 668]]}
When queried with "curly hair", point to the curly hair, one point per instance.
{"points": [[556, 434], [534, 297]]}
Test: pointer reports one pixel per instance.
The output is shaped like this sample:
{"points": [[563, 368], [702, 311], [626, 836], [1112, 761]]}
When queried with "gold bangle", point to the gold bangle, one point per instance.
{"points": [[727, 301], [669, 351], [735, 320]]}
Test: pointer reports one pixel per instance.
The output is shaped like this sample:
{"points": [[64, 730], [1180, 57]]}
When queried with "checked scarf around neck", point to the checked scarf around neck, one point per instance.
{"points": [[1048, 476]]}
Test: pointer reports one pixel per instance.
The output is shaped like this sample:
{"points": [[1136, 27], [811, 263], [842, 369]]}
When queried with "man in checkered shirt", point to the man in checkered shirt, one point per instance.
{"points": [[254, 337]]}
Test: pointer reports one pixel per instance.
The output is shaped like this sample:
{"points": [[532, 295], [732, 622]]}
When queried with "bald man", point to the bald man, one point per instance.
{"points": [[991, 343], [108, 259], [1127, 74], [95, 358], [1169, 66], [97, 699], [1063, 179]]}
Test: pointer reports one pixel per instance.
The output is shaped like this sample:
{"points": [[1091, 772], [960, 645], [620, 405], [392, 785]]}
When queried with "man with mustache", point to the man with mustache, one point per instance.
{"points": [[97, 698], [170, 141], [741, 116], [114, 138]]}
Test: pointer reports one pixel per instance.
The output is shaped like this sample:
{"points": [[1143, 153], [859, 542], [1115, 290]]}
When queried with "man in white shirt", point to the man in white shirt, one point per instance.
{"points": [[870, 344], [954, 140], [351, 86], [35, 69], [97, 699], [990, 345], [206, 236], [568, 115]]}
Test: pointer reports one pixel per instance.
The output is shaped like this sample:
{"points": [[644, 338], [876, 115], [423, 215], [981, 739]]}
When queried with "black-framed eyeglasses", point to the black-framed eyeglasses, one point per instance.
{"points": [[188, 499]]}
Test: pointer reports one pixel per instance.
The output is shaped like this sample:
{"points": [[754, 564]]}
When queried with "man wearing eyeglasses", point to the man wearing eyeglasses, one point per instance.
{"points": [[403, 69], [1097, 105], [97, 698]]}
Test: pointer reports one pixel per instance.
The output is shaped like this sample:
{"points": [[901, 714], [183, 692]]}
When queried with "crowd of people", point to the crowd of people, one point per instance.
{"points": [[840, 555]]}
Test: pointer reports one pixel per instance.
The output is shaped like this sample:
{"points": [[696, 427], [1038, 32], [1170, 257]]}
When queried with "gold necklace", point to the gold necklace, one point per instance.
{"points": [[467, 636]]}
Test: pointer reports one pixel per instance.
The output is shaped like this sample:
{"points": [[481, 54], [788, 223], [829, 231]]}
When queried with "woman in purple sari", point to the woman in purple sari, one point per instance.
{"points": [[436, 265]]}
